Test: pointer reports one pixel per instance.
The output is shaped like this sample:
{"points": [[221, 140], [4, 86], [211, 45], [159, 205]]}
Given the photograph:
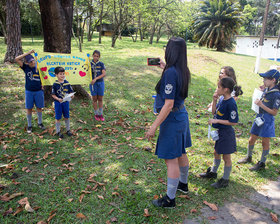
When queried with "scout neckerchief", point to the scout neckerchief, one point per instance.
{"points": [[274, 89], [94, 69]]}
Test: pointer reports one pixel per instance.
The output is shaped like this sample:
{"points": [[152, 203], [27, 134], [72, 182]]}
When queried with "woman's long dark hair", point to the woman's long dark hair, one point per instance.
{"points": [[176, 55]]}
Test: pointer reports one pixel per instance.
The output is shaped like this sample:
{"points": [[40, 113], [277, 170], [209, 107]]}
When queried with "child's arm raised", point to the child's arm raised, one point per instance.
{"points": [[18, 58], [267, 109], [214, 102]]}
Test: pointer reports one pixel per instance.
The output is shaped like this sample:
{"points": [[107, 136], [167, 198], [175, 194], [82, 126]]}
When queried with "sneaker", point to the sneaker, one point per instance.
{"points": [[42, 126], [29, 130], [208, 174], [259, 166], [164, 202], [59, 135], [101, 117], [96, 117], [183, 187], [247, 159], [222, 183], [69, 133]]}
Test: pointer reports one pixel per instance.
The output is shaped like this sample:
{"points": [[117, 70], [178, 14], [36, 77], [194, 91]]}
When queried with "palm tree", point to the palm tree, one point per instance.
{"points": [[217, 23]]}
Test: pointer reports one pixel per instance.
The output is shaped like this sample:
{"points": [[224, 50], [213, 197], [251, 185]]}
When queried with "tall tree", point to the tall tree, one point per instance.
{"points": [[57, 17], [217, 23], [13, 27]]}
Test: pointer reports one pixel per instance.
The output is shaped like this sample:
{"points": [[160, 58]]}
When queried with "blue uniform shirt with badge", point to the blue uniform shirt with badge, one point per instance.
{"points": [[169, 89], [32, 78], [226, 110], [96, 69], [60, 89], [271, 99]]}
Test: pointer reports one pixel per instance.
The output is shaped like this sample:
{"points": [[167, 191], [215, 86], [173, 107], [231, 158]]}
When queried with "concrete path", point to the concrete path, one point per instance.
{"points": [[255, 210]]}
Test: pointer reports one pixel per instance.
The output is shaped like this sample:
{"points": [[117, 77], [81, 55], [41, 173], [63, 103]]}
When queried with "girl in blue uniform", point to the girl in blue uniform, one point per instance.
{"points": [[174, 135], [269, 105], [34, 93], [97, 86], [225, 117]]}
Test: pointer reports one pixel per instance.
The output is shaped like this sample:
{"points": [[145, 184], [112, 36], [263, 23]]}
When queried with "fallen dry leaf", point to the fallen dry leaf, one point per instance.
{"points": [[114, 219], [81, 216], [19, 209], [156, 197], [134, 170], [101, 161], [115, 194], [111, 211], [274, 217], [70, 199], [51, 217], [184, 196], [28, 208], [212, 217], [212, 206], [9, 211], [146, 212], [41, 222], [193, 210], [81, 197], [6, 196], [100, 197]]}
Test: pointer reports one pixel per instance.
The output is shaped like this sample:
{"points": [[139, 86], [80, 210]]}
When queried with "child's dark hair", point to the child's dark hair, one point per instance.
{"points": [[277, 83], [58, 69], [96, 52], [176, 55], [229, 83], [231, 73]]}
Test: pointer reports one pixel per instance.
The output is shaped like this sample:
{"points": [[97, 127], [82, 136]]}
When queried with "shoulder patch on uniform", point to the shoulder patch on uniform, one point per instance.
{"points": [[233, 114], [168, 89]]}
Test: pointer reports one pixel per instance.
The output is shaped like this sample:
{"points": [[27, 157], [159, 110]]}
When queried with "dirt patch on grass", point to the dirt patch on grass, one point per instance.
{"points": [[205, 59]]}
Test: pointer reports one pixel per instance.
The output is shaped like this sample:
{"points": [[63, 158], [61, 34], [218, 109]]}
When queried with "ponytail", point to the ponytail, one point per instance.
{"points": [[238, 90]]}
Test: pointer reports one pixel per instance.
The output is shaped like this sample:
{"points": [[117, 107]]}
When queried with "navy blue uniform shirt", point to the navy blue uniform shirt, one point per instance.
{"points": [[60, 89], [96, 69], [271, 99], [226, 110], [32, 78], [170, 88]]}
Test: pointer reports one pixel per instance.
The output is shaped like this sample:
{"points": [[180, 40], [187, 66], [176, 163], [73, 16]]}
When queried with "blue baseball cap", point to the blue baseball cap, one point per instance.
{"points": [[29, 58], [273, 73]]}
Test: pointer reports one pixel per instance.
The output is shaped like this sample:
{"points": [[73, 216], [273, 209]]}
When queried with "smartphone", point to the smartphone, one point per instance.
{"points": [[153, 61]]}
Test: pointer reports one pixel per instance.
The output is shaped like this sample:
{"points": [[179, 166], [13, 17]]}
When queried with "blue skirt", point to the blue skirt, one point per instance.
{"points": [[267, 130], [174, 135], [226, 144]]}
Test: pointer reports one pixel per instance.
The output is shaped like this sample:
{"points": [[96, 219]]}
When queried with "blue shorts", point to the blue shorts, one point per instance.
{"points": [[61, 108], [267, 130], [174, 135], [97, 89], [226, 144], [32, 97]]}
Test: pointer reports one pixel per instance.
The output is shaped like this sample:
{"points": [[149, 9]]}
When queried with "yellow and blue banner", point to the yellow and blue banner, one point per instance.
{"points": [[77, 67]]}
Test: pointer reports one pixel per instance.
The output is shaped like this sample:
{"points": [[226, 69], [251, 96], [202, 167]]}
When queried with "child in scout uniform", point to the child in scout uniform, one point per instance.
{"points": [[264, 123], [97, 86], [174, 134], [225, 117], [59, 89], [34, 93]]}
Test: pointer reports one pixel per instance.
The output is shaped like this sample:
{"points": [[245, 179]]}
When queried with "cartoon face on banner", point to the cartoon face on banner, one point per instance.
{"points": [[77, 68]]}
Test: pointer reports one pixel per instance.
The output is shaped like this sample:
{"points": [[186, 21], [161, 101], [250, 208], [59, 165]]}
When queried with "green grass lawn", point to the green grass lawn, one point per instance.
{"points": [[105, 171]]}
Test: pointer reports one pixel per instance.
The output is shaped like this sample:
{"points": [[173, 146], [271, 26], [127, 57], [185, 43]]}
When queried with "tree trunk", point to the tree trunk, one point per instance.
{"points": [[90, 23], [57, 17], [100, 20], [152, 34], [13, 25], [3, 19]]}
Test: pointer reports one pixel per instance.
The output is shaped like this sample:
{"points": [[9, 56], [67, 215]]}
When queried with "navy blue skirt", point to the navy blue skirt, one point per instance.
{"points": [[226, 144], [174, 135], [267, 130]]}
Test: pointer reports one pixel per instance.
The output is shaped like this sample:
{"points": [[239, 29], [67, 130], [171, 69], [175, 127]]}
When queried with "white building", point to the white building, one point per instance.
{"points": [[248, 45]]}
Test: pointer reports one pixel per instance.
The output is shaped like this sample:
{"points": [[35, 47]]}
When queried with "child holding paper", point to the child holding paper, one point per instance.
{"points": [[59, 89], [264, 123]]}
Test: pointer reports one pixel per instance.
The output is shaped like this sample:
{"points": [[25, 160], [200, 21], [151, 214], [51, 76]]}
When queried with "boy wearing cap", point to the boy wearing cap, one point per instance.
{"points": [[33, 88], [264, 123]]}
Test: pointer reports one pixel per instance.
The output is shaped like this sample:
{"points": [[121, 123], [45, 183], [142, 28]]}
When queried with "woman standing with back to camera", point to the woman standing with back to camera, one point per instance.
{"points": [[174, 135]]}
